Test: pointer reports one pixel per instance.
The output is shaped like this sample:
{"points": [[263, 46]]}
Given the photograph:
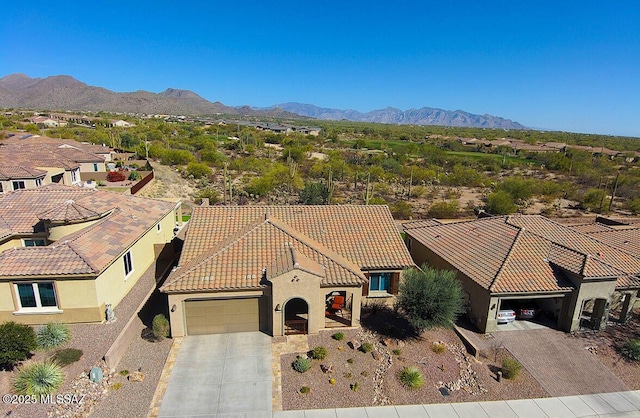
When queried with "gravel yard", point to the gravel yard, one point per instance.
{"points": [[605, 346], [94, 340], [464, 378]]}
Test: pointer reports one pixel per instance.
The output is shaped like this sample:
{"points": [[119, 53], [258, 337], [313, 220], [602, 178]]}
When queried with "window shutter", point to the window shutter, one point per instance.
{"points": [[395, 282], [365, 286]]}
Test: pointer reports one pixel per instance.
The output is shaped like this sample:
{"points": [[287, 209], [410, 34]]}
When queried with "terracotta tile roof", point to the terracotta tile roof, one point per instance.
{"points": [[498, 256], [627, 240], [18, 172], [517, 253], [420, 223], [126, 219], [67, 212], [589, 228], [263, 249], [626, 262], [366, 235]]}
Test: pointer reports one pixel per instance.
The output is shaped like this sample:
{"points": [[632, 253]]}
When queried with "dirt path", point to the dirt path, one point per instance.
{"points": [[168, 182]]}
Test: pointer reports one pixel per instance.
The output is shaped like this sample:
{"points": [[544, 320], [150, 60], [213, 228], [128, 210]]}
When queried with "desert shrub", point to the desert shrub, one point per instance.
{"points": [[338, 336], [364, 373], [134, 175], [366, 347], [66, 356], [397, 352], [301, 364], [346, 375], [411, 377], [116, 176], [355, 386], [160, 326], [350, 360], [123, 372], [319, 353], [38, 379], [53, 335], [631, 349], [116, 386], [444, 209], [332, 381], [198, 170], [17, 342], [305, 389], [438, 348], [510, 368]]}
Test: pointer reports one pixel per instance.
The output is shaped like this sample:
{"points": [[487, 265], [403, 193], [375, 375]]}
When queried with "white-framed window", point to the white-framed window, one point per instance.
{"points": [[39, 242], [18, 184], [36, 297], [74, 175], [38, 182], [128, 264], [1, 191], [158, 227], [95, 167]]}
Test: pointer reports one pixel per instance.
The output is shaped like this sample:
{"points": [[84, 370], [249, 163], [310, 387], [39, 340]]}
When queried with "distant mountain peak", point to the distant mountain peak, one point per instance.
{"points": [[392, 115], [180, 94]]}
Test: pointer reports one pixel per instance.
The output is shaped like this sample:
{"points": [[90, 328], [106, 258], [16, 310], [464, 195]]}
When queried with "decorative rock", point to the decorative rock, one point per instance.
{"points": [[387, 342], [354, 344], [376, 355], [136, 377], [326, 369], [401, 343]]}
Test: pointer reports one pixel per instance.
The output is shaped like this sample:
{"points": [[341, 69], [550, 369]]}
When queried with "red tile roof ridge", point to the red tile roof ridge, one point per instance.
{"points": [[307, 264], [205, 256], [92, 266], [318, 247], [506, 258]]}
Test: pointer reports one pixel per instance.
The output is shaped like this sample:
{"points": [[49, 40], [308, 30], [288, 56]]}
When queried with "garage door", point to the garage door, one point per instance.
{"points": [[215, 316]]}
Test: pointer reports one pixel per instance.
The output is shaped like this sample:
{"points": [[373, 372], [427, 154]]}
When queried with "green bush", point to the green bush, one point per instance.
{"points": [[53, 335], [160, 326], [319, 353], [355, 387], [305, 389], [16, 344], [397, 352], [38, 379], [301, 364], [67, 356], [631, 349], [134, 175], [338, 336], [411, 377], [350, 360], [366, 347], [510, 368]]}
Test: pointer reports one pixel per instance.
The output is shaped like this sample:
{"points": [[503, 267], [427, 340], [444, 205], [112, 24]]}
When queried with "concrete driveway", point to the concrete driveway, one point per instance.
{"points": [[220, 375]]}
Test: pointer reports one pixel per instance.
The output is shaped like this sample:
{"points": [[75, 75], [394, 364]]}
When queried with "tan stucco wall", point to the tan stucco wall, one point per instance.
{"points": [[88, 167], [112, 285], [599, 289], [76, 299], [15, 242], [7, 185], [57, 232], [176, 315]]}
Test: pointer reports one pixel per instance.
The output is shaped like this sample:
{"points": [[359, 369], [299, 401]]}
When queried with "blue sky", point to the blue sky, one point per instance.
{"points": [[561, 65]]}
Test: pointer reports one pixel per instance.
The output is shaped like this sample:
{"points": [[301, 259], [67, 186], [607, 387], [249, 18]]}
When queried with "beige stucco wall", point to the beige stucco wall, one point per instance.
{"points": [[87, 167], [588, 289], [59, 231], [15, 242], [76, 300], [51, 172], [298, 284], [112, 285], [7, 185]]}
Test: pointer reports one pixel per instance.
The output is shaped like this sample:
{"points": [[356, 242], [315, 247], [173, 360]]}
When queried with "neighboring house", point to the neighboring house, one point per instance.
{"points": [[18, 178], [572, 276], [66, 252], [283, 269], [45, 122], [63, 160]]}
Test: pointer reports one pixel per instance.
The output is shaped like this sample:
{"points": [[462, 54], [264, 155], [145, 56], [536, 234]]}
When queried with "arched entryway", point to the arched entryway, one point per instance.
{"points": [[296, 316]]}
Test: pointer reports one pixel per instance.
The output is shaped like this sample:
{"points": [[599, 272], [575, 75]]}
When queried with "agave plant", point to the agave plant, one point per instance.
{"points": [[53, 335], [38, 379]]}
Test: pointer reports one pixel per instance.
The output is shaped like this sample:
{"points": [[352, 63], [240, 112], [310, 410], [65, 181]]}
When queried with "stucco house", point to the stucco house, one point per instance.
{"points": [[18, 178], [283, 269], [572, 276], [66, 252]]}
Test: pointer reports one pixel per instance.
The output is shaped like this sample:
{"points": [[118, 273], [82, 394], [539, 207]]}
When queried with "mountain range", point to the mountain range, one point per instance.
{"points": [[65, 93]]}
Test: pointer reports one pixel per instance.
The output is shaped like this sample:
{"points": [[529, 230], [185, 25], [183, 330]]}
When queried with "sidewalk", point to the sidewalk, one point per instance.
{"points": [[617, 404]]}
